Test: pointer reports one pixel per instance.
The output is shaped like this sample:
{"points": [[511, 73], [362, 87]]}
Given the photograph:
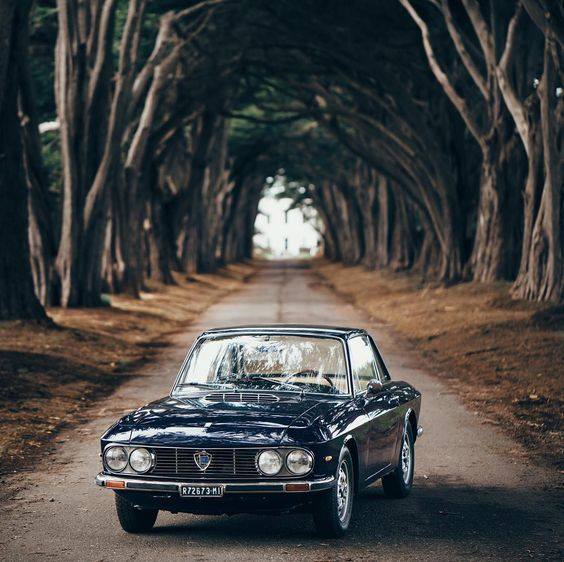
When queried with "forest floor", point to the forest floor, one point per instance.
{"points": [[504, 358], [49, 375]]}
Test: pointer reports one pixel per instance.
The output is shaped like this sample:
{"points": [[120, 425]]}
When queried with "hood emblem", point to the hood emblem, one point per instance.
{"points": [[202, 459]]}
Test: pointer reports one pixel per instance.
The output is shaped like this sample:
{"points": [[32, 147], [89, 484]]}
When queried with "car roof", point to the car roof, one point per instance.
{"points": [[306, 329]]}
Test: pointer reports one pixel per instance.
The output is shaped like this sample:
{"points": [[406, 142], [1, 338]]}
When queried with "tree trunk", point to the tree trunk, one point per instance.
{"points": [[17, 296], [494, 252], [166, 192], [41, 235], [83, 70], [214, 190], [345, 211], [541, 275], [401, 243], [161, 243], [427, 257], [322, 197], [189, 216], [365, 190], [384, 223], [450, 242], [493, 255]]}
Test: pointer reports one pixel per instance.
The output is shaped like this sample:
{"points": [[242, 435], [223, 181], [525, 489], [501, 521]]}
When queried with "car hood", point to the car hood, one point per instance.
{"points": [[195, 422]]}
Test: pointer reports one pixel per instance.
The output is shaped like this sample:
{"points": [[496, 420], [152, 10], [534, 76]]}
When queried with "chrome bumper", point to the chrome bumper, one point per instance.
{"points": [[138, 485]]}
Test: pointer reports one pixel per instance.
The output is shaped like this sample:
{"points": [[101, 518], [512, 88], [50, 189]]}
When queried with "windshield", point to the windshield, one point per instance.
{"points": [[267, 362]]}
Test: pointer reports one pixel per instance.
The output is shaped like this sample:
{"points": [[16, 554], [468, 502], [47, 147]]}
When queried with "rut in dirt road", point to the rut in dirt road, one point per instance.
{"points": [[474, 495]]}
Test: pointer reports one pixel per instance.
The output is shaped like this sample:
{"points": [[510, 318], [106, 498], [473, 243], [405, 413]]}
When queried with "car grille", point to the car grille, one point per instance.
{"points": [[180, 463]]}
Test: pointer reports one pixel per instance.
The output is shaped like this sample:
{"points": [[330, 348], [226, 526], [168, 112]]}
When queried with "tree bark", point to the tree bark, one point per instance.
{"points": [[384, 222], [41, 235], [365, 189], [82, 89], [189, 217], [493, 255], [402, 238], [494, 252], [541, 276], [17, 296], [214, 191]]}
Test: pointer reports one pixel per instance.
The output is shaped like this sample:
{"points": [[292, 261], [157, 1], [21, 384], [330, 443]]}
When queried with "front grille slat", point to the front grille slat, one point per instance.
{"points": [[180, 463]]}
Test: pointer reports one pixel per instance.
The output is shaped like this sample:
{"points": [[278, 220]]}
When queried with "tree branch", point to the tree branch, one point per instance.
{"points": [[460, 46], [514, 104], [441, 76]]}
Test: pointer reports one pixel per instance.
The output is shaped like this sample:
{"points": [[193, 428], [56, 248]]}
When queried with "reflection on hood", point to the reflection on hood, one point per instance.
{"points": [[195, 421]]}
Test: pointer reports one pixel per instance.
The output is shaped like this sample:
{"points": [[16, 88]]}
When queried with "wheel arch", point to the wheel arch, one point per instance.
{"points": [[351, 445], [411, 419]]}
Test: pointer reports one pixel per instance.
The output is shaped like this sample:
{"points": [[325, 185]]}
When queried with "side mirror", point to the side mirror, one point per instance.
{"points": [[374, 386]]}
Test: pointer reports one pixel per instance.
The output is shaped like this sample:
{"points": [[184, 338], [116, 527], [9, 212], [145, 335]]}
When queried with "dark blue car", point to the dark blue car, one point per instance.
{"points": [[266, 419]]}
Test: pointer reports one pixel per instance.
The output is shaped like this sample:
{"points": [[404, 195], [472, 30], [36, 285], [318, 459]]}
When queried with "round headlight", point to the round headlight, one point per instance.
{"points": [[141, 460], [269, 462], [299, 462], [115, 458]]}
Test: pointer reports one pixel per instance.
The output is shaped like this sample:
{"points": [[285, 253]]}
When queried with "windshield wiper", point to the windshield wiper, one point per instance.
{"points": [[279, 383], [204, 384]]}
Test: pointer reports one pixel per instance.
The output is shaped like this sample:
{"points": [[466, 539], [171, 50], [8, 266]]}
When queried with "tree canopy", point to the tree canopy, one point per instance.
{"points": [[426, 133]]}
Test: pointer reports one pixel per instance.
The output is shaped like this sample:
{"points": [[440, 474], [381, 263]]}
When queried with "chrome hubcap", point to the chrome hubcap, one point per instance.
{"points": [[343, 491], [406, 459]]}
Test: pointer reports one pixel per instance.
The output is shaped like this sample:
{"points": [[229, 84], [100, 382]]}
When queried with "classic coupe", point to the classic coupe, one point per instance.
{"points": [[266, 419]]}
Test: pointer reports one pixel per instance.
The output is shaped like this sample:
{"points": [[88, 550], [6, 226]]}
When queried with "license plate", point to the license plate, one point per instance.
{"points": [[201, 491]]}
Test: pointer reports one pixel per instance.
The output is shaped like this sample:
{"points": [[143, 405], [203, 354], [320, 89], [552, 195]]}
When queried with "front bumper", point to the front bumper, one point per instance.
{"points": [[138, 485]]}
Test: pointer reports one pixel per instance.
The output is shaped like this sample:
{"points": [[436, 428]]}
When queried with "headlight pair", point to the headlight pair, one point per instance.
{"points": [[297, 461], [140, 460]]}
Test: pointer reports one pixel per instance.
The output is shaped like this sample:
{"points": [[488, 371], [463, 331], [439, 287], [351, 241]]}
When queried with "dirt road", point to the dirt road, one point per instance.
{"points": [[474, 497]]}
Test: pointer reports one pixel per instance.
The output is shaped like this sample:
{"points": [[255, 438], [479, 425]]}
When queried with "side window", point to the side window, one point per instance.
{"points": [[362, 362], [384, 375], [382, 369]]}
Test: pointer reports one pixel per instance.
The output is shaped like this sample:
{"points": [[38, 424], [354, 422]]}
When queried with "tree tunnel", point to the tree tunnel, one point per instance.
{"points": [[426, 135]]}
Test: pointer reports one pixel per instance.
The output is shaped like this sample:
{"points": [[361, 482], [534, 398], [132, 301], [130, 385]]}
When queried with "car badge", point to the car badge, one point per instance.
{"points": [[202, 459]]}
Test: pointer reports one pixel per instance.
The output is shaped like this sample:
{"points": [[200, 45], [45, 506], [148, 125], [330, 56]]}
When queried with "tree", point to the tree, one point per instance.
{"points": [[409, 126], [82, 90], [41, 231], [539, 119], [487, 119], [17, 297]]}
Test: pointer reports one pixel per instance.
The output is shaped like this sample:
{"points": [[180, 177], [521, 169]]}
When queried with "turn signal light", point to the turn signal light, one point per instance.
{"points": [[297, 487], [115, 484]]}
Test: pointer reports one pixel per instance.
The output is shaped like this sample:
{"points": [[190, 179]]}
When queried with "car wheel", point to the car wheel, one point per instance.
{"points": [[333, 508], [398, 484], [132, 519]]}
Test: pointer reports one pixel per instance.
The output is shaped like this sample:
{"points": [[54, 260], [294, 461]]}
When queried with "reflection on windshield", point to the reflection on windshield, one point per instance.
{"points": [[267, 362]]}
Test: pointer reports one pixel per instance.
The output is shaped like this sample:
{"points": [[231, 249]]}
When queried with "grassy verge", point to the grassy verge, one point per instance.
{"points": [[49, 375], [505, 358]]}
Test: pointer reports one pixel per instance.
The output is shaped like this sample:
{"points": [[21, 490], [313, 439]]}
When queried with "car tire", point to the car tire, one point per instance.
{"points": [[398, 484], [332, 508], [133, 519]]}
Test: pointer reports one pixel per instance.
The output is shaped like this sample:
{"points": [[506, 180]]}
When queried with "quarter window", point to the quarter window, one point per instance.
{"points": [[363, 362]]}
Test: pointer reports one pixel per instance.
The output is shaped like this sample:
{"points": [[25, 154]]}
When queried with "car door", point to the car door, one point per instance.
{"points": [[394, 397], [380, 407]]}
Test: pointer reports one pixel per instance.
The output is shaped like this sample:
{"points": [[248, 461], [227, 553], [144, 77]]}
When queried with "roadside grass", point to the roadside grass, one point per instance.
{"points": [[503, 357], [49, 375]]}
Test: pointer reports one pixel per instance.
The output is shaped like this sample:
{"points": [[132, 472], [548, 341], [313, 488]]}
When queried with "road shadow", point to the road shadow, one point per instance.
{"points": [[485, 522]]}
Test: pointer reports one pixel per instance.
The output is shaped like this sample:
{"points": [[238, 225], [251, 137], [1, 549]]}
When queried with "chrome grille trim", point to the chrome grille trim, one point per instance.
{"points": [[179, 462]]}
